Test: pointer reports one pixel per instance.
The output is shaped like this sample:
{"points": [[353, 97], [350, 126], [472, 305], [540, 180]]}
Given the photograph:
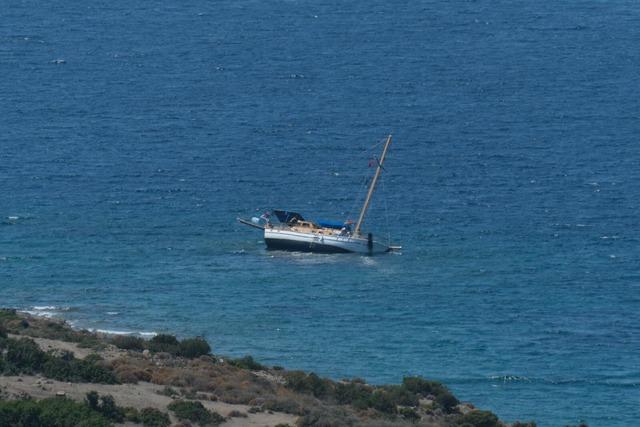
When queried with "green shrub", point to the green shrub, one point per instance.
{"points": [[51, 412], [409, 414], [128, 342], [164, 343], [381, 401], [282, 404], [25, 355], [401, 396], [348, 393], [447, 401], [193, 347], [421, 386], [105, 405], [195, 412], [326, 419], [131, 414], [110, 410], [480, 419], [93, 373], [306, 383], [168, 391], [58, 369], [84, 370], [7, 314], [150, 417], [92, 400], [246, 362], [3, 332], [443, 396]]}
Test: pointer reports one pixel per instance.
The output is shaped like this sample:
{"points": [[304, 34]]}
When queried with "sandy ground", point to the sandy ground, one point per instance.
{"points": [[141, 395]]}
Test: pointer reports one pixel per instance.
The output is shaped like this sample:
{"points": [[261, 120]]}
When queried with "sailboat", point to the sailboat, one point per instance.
{"points": [[293, 232]]}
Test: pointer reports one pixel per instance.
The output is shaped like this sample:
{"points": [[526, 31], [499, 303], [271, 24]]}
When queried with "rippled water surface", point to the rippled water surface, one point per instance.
{"points": [[133, 135]]}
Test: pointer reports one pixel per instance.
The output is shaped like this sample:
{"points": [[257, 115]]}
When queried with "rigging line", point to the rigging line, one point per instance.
{"points": [[369, 153], [376, 145], [361, 194]]}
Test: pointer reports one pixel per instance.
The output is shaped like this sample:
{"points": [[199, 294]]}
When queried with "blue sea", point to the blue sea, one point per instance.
{"points": [[132, 134]]}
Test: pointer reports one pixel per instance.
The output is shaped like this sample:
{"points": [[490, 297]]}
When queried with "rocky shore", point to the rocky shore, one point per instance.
{"points": [[53, 375]]}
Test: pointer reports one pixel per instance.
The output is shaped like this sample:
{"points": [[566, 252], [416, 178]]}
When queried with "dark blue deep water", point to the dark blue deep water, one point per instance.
{"points": [[132, 134]]}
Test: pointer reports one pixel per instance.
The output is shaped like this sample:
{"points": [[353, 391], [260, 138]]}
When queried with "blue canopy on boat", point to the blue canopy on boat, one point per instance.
{"points": [[287, 216], [333, 224]]}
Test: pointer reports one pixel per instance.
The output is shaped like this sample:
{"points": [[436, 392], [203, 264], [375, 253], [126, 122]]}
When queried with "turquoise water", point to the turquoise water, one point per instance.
{"points": [[131, 137]]}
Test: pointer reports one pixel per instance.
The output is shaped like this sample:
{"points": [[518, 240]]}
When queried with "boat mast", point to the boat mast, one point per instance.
{"points": [[372, 187]]}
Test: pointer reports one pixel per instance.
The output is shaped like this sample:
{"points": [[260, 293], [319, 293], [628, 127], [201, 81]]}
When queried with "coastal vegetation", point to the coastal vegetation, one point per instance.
{"points": [[94, 411], [164, 343], [195, 412], [24, 356], [191, 379], [50, 412]]}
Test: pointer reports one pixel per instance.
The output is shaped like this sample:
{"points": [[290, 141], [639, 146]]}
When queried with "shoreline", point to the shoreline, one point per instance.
{"points": [[158, 372]]}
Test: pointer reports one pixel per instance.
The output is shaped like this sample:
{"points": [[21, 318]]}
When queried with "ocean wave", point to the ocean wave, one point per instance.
{"points": [[49, 308], [115, 332], [626, 381], [510, 378], [46, 310]]}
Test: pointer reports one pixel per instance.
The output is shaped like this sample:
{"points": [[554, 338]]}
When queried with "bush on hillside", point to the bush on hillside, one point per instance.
{"points": [[479, 418], [348, 393], [151, 417], [246, 362], [409, 414], [88, 370], [443, 397], [24, 356], [195, 412], [381, 401], [447, 401], [128, 342], [401, 396], [164, 343], [193, 347], [283, 404], [8, 314], [421, 386], [306, 383], [49, 412]]}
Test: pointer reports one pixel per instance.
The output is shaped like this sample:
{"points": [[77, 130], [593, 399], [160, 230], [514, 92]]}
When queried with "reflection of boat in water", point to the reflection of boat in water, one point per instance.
{"points": [[295, 233]]}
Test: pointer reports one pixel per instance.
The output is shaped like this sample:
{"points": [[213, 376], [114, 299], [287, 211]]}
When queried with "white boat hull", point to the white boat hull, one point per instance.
{"points": [[286, 239]]}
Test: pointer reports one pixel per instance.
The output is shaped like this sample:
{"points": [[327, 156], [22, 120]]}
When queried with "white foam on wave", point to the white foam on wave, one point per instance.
{"points": [[147, 334], [49, 308], [367, 260], [54, 311], [114, 332], [39, 313], [46, 310]]}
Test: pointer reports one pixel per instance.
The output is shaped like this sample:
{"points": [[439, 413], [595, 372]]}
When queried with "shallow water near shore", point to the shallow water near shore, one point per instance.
{"points": [[133, 136]]}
